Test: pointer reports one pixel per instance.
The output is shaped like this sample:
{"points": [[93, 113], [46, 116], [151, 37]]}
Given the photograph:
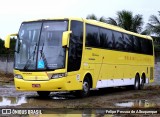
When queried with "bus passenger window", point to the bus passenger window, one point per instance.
{"points": [[92, 36]]}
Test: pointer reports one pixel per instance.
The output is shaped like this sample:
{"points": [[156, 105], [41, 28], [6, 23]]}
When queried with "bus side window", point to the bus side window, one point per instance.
{"points": [[114, 40], [119, 40], [105, 38], [137, 43], [147, 47], [92, 36], [129, 47]]}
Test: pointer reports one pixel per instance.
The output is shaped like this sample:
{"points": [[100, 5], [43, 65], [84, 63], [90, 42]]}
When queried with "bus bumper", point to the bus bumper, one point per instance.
{"points": [[49, 85]]}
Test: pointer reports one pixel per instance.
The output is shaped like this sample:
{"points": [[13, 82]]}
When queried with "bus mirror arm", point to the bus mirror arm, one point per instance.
{"points": [[65, 39], [7, 40]]}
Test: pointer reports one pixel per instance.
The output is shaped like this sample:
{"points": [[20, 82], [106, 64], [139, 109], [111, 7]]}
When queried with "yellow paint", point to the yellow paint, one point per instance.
{"points": [[65, 38], [100, 63]]}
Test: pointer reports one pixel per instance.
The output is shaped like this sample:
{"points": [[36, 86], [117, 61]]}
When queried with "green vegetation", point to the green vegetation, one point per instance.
{"points": [[153, 27], [126, 20], [93, 17], [3, 50]]}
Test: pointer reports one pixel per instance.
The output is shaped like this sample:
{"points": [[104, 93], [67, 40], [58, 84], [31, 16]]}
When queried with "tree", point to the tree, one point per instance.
{"points": [[94, 17], [126, 20], [3, 50], [153, 27]]}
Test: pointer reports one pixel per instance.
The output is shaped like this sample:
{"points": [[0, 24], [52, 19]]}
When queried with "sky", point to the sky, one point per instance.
{"points": [[14, 12]]}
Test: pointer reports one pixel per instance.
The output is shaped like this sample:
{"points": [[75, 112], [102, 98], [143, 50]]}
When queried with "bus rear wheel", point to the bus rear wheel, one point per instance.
{"points": [[142, 82], [43, 93], [137, 82]]}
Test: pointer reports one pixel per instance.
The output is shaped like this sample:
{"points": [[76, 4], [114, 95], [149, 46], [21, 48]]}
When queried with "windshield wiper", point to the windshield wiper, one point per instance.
{"points": [[43, 57], [29, 60]]}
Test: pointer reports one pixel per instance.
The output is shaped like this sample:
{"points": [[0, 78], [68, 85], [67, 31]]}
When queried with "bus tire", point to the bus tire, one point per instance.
{"points": [[85, 89], [142, 82], [137, 82], [43, 93]]}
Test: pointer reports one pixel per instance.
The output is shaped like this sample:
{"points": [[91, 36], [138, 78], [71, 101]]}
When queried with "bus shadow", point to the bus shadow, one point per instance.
{"points": [[111, 90], [71, 96]]}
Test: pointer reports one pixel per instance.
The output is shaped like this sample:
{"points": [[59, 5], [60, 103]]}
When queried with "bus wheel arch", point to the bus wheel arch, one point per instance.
{"points": [[86, 85], [89, 77]]}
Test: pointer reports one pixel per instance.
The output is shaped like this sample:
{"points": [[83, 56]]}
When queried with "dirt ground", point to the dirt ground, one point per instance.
{"points": [[106, 98], [109, 98]]}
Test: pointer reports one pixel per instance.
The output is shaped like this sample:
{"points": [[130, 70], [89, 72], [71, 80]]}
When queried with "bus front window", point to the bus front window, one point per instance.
{"points": [[51, 55], [39, 46]]}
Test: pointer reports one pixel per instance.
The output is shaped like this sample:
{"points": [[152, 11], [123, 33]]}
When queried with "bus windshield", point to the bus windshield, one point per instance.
{"points": [[39, 46]]}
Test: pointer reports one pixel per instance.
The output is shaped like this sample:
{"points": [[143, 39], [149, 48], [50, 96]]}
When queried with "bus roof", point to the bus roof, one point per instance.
{"points": [[97, 23]]}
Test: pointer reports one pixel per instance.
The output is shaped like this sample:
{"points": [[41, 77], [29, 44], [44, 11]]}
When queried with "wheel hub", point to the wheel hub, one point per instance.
{"points": [[85, 87]]}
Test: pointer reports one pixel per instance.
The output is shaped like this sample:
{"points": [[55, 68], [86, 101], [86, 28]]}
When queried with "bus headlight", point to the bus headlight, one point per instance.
{"points": [[18, 76], [59, 75]]}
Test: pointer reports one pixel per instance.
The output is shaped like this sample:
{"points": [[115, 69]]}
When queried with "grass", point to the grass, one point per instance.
{"points": [[6, 77]]}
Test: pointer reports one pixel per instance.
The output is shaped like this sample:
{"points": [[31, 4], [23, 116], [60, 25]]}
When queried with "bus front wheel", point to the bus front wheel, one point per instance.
{"points": [[43, 93], [85, 89]]}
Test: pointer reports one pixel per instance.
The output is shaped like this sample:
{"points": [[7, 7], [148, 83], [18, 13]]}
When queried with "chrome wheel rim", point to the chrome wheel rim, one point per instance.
{"points": [[85, 87], [137, 84]]}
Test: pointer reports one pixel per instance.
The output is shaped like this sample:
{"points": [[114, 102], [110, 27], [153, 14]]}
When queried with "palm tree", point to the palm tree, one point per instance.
{"points": [[153, 27], [94, 17], [126, 20]]}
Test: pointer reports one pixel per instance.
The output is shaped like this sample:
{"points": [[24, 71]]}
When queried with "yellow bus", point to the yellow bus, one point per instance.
{"points": [[75, 54]]}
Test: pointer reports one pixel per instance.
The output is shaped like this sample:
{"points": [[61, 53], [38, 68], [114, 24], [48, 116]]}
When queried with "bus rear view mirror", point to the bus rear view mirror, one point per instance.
{"points": [[65, 38], [7, 40]]}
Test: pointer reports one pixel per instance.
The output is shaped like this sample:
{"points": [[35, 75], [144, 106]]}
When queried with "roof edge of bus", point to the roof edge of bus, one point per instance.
{"points": [[56, 18], [98, 23], [95, 21]]}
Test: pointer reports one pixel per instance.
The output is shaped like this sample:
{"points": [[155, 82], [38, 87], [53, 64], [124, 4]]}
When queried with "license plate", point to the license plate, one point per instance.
{"points": [[36, 85]]}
